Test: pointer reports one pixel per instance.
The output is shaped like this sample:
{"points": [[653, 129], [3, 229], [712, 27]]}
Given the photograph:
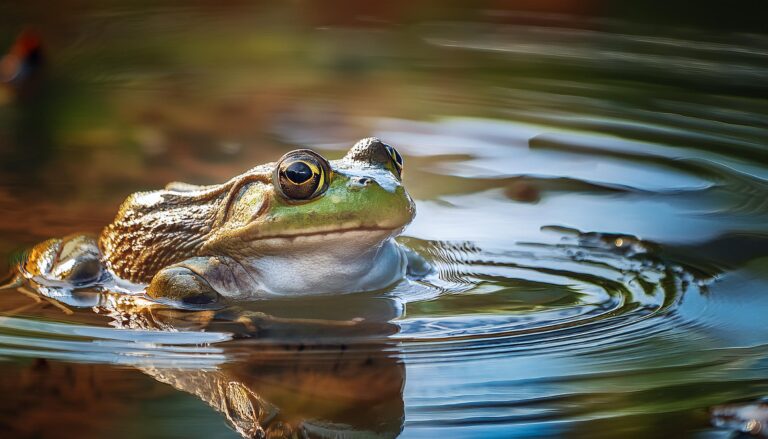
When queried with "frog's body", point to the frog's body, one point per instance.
{"points": [[301, 225]]}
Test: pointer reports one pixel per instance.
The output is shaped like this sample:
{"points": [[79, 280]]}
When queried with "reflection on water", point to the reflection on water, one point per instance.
{"points": [[592, 195], [291, 382], [279, 376]]}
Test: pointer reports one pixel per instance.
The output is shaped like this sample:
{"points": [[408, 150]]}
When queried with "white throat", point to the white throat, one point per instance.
{"points": [[353, 261]]}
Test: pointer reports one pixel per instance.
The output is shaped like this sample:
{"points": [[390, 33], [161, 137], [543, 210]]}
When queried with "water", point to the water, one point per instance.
{"points": [[591, 191]]}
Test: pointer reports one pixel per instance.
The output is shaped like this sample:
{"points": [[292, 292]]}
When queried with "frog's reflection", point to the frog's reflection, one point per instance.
{"points": [[295, 376]]}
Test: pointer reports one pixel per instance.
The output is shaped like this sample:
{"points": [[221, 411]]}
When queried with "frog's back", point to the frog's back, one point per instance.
{"points": [[157, 228]]}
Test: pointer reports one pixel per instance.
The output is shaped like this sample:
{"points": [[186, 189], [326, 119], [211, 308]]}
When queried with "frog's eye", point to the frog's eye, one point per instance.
{"points": [[302, 175], [397, 159]]}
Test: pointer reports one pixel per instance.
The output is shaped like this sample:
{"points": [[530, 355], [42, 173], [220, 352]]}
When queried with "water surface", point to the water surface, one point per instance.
{"points": [[591, 192]]}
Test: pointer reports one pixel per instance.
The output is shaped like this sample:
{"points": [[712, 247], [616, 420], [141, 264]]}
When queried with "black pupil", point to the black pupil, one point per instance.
{"points": [[298, 172]]}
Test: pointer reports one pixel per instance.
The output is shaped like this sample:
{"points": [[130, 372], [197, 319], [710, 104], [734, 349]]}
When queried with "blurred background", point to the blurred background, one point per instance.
{"points": [[127, 97], [590, 179]]}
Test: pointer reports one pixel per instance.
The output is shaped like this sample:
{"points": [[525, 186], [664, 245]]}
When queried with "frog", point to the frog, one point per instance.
{"points": [[300, 225]]}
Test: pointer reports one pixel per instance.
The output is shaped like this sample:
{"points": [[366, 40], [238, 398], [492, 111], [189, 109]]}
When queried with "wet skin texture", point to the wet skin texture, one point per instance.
{"points": [[302, 225]]}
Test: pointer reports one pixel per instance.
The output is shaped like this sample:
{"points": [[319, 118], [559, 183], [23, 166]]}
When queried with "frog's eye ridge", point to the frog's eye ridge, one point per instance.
{"points": [[397, 159], [302, 175]]}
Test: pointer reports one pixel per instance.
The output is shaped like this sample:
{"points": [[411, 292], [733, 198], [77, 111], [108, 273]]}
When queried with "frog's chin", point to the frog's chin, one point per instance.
{"points": [[353, 261]]}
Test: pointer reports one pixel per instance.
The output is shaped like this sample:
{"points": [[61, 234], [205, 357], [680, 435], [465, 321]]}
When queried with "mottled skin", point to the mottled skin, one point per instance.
{"points": [[246, 238]]}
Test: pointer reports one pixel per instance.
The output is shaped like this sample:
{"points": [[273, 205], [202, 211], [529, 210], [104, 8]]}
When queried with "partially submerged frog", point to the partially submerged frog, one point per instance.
{"points": [[302, 225]]}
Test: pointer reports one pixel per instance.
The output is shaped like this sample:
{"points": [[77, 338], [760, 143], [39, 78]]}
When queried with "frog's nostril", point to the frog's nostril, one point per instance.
{"points": [[360, 182]]}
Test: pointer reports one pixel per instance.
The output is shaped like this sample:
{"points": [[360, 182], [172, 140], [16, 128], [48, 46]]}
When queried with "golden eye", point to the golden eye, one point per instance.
{"points": [[302, 175], [397, 159]]}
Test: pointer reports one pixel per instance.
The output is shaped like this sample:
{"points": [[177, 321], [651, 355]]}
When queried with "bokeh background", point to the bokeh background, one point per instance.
{"points": [[134, 95]]}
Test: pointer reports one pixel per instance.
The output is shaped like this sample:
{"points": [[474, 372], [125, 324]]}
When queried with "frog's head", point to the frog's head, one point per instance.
{"points": [[306, 200]]}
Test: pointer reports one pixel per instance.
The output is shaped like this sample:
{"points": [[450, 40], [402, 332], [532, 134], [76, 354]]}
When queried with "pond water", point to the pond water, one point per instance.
{"points": [[592, 192]]}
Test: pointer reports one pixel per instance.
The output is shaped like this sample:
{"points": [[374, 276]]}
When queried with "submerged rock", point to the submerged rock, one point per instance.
{"points": [[750, 418]]}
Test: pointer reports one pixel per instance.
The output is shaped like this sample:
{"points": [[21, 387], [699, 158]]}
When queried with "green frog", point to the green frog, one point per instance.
{"points": [[301, 225]]}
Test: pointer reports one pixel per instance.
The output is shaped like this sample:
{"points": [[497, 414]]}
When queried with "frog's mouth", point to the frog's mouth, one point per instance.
{"points": [[376, 231]]}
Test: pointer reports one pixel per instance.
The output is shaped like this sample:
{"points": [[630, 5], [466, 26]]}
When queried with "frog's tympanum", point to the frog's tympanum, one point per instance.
{"points": [[302, 225]]}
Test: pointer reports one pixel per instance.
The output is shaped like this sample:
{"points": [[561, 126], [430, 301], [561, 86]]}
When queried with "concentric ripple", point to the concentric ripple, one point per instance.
{"points": [[588, 292]]}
